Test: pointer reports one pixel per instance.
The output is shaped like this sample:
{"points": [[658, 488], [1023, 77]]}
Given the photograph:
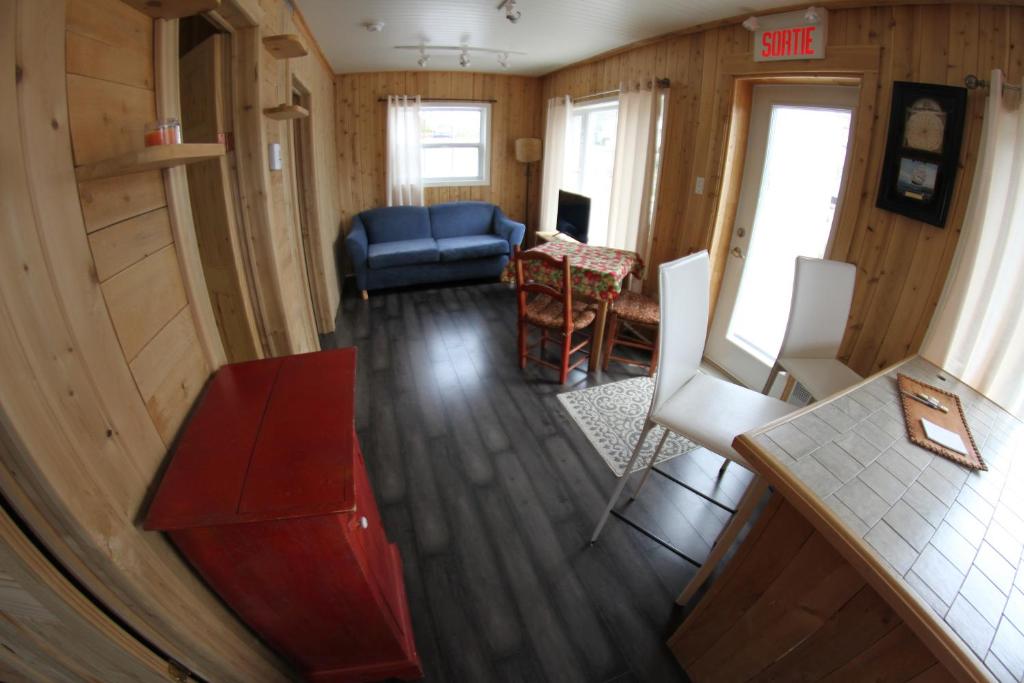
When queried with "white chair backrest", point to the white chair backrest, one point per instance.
{"points": [[822, 294], [684, 296]]}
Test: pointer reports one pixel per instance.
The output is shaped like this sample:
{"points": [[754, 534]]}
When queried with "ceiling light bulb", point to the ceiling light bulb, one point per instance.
{"points": [[512, 13], [752, 24], [424, 58], [464, 59], [812, 16], [503, 60]]}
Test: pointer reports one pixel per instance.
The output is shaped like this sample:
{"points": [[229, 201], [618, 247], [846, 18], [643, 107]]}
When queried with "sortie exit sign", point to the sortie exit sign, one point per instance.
{"points": [[790, 36]]}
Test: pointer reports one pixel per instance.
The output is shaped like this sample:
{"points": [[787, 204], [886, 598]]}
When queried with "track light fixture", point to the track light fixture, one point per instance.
{"points": [[512, 12], [426, 51]]}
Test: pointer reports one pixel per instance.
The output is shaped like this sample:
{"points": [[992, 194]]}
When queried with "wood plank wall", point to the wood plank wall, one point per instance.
{"points": [[362, 135], [902, 263]]}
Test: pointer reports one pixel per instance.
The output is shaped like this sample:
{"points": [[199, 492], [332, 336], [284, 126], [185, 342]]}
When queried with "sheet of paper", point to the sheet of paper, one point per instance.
{"points": [[943, 437]]}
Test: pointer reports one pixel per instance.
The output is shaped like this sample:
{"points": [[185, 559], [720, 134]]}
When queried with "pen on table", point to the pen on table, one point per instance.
{"points": [[931, 404]]}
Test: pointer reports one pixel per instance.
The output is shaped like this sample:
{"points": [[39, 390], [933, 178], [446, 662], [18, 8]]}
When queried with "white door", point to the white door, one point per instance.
{"points": [[797, 153]]}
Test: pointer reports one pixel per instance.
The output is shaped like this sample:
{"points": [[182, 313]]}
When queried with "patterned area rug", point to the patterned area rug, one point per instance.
{"points": [[612, 416]]}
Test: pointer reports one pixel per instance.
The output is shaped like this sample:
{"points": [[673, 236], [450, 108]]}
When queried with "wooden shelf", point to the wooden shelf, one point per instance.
{"points": [[283, 112], [285, 46], [149, 158], [173, 9]]}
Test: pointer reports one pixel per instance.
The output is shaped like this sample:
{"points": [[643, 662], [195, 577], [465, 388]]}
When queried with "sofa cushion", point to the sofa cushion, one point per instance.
{"points": [[472, 246], [404, 253], [396, 223], [457, 219]]}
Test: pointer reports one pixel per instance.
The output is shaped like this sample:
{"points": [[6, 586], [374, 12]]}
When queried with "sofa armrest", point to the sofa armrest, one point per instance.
{"points": [[358, 248], [509, 229]]}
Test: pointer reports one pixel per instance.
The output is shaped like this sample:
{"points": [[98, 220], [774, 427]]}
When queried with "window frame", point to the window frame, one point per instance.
{"points": [[483, 176]]}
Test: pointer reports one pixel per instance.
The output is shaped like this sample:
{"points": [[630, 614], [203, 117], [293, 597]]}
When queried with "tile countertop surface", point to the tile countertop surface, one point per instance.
{"points": [[953, 536]]}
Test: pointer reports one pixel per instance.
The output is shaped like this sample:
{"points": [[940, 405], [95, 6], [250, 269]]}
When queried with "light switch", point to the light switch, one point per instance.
{"points": [[698, 187], [274, 156]]}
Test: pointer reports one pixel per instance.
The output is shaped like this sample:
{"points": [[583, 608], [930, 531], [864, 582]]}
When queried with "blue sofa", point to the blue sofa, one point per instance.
{"points": [[409, 245]]}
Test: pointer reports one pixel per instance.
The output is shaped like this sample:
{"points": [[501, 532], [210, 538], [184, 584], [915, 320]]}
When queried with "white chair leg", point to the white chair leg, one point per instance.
{"points": [[749, 501], [725, 464], [648, 425], [772, 374], [650, 465]]}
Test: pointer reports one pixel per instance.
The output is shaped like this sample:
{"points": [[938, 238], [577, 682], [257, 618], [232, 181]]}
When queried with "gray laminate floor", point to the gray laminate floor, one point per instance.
{"points": [[491, 491]]}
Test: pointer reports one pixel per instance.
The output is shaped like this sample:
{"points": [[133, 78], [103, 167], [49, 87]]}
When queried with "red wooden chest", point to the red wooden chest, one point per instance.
{"points": [[267, 496]]}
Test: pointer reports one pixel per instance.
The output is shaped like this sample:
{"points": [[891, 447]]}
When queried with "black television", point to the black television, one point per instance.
{"points": [[573, 215]]}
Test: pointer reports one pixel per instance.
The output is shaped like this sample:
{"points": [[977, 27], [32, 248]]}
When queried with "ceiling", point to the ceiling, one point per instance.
{"points": [[552, 33]]}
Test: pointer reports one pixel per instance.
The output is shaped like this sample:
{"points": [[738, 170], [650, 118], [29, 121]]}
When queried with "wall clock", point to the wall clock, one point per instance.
{"points": [[922, 151]]}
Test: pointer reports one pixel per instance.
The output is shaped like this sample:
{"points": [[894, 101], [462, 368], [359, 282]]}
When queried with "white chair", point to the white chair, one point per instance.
{"points": [[709, 411], [822, 294]]}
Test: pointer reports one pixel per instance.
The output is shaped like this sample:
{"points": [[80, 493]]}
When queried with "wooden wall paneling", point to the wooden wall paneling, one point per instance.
{"points": [[143, 298], [91, 57], [111, 200], [107, 118], [170, 371], [179, 204], [51, 632], [123, 244], [78, 446]]}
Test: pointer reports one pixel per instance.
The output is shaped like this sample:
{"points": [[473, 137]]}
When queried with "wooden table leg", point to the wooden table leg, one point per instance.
{"points": [[597, 339]]}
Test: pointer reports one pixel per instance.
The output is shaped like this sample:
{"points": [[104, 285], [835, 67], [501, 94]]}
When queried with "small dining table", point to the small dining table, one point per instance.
{"points": [[597, 273]]}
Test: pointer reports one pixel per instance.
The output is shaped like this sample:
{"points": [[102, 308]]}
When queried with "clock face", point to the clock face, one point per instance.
{"points": [[925, 126]]}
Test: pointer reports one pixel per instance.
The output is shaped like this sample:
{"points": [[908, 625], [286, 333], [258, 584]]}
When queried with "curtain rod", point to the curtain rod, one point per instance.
{"points": [[442, 99], [659, 82], [972, 82]]}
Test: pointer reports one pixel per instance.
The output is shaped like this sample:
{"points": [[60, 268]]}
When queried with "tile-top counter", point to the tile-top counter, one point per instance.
{"points": [[943, 540]]}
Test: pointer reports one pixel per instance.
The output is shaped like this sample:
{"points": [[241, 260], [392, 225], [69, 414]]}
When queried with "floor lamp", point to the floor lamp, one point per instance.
{"points": [[528, 152]]}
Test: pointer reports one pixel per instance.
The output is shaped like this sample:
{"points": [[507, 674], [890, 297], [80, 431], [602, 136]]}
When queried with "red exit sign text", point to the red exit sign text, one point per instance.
{"points": [[789, 36]]}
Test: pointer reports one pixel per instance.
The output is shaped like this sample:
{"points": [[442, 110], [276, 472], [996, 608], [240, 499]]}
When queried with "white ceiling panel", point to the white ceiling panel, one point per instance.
{"points": [[552, 33]]}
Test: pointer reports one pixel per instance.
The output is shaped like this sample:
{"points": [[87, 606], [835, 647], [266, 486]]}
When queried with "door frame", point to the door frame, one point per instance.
{"points": [[307, 207], [738, 74]]}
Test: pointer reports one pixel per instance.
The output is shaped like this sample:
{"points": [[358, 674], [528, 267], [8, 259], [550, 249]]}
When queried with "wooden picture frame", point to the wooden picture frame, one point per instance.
{"points": [[922, 151]]}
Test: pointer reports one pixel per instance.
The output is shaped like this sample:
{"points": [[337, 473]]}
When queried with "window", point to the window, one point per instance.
{"points": [[590, 159], [455, 143]]}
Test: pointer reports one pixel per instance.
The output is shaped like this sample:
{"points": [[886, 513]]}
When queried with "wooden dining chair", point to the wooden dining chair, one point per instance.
{"points": [[633, 322], [551, 309]]}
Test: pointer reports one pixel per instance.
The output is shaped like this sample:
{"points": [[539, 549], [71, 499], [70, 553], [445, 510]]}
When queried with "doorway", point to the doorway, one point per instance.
{"points": [[798, 150], [205, 78]]}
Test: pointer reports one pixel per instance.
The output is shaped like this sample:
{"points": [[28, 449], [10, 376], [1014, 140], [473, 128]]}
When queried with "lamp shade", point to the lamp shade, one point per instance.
{"points": [[528, 150]]}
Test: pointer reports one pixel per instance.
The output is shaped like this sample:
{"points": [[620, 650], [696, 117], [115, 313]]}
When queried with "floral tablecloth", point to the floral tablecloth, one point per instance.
{"points": [[597, 272]]}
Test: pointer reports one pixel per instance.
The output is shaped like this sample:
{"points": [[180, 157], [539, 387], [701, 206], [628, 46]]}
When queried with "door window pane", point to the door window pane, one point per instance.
{"points": [[800, 186]]}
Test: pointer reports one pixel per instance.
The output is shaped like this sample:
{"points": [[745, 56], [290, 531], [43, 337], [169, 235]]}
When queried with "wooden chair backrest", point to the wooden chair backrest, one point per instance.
{"points": [[526, 286]]}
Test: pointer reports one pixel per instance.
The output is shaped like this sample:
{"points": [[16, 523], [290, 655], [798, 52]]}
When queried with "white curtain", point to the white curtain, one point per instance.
{"points": [[977, 333], [629, 210], [405, 176], [559, 113]]}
